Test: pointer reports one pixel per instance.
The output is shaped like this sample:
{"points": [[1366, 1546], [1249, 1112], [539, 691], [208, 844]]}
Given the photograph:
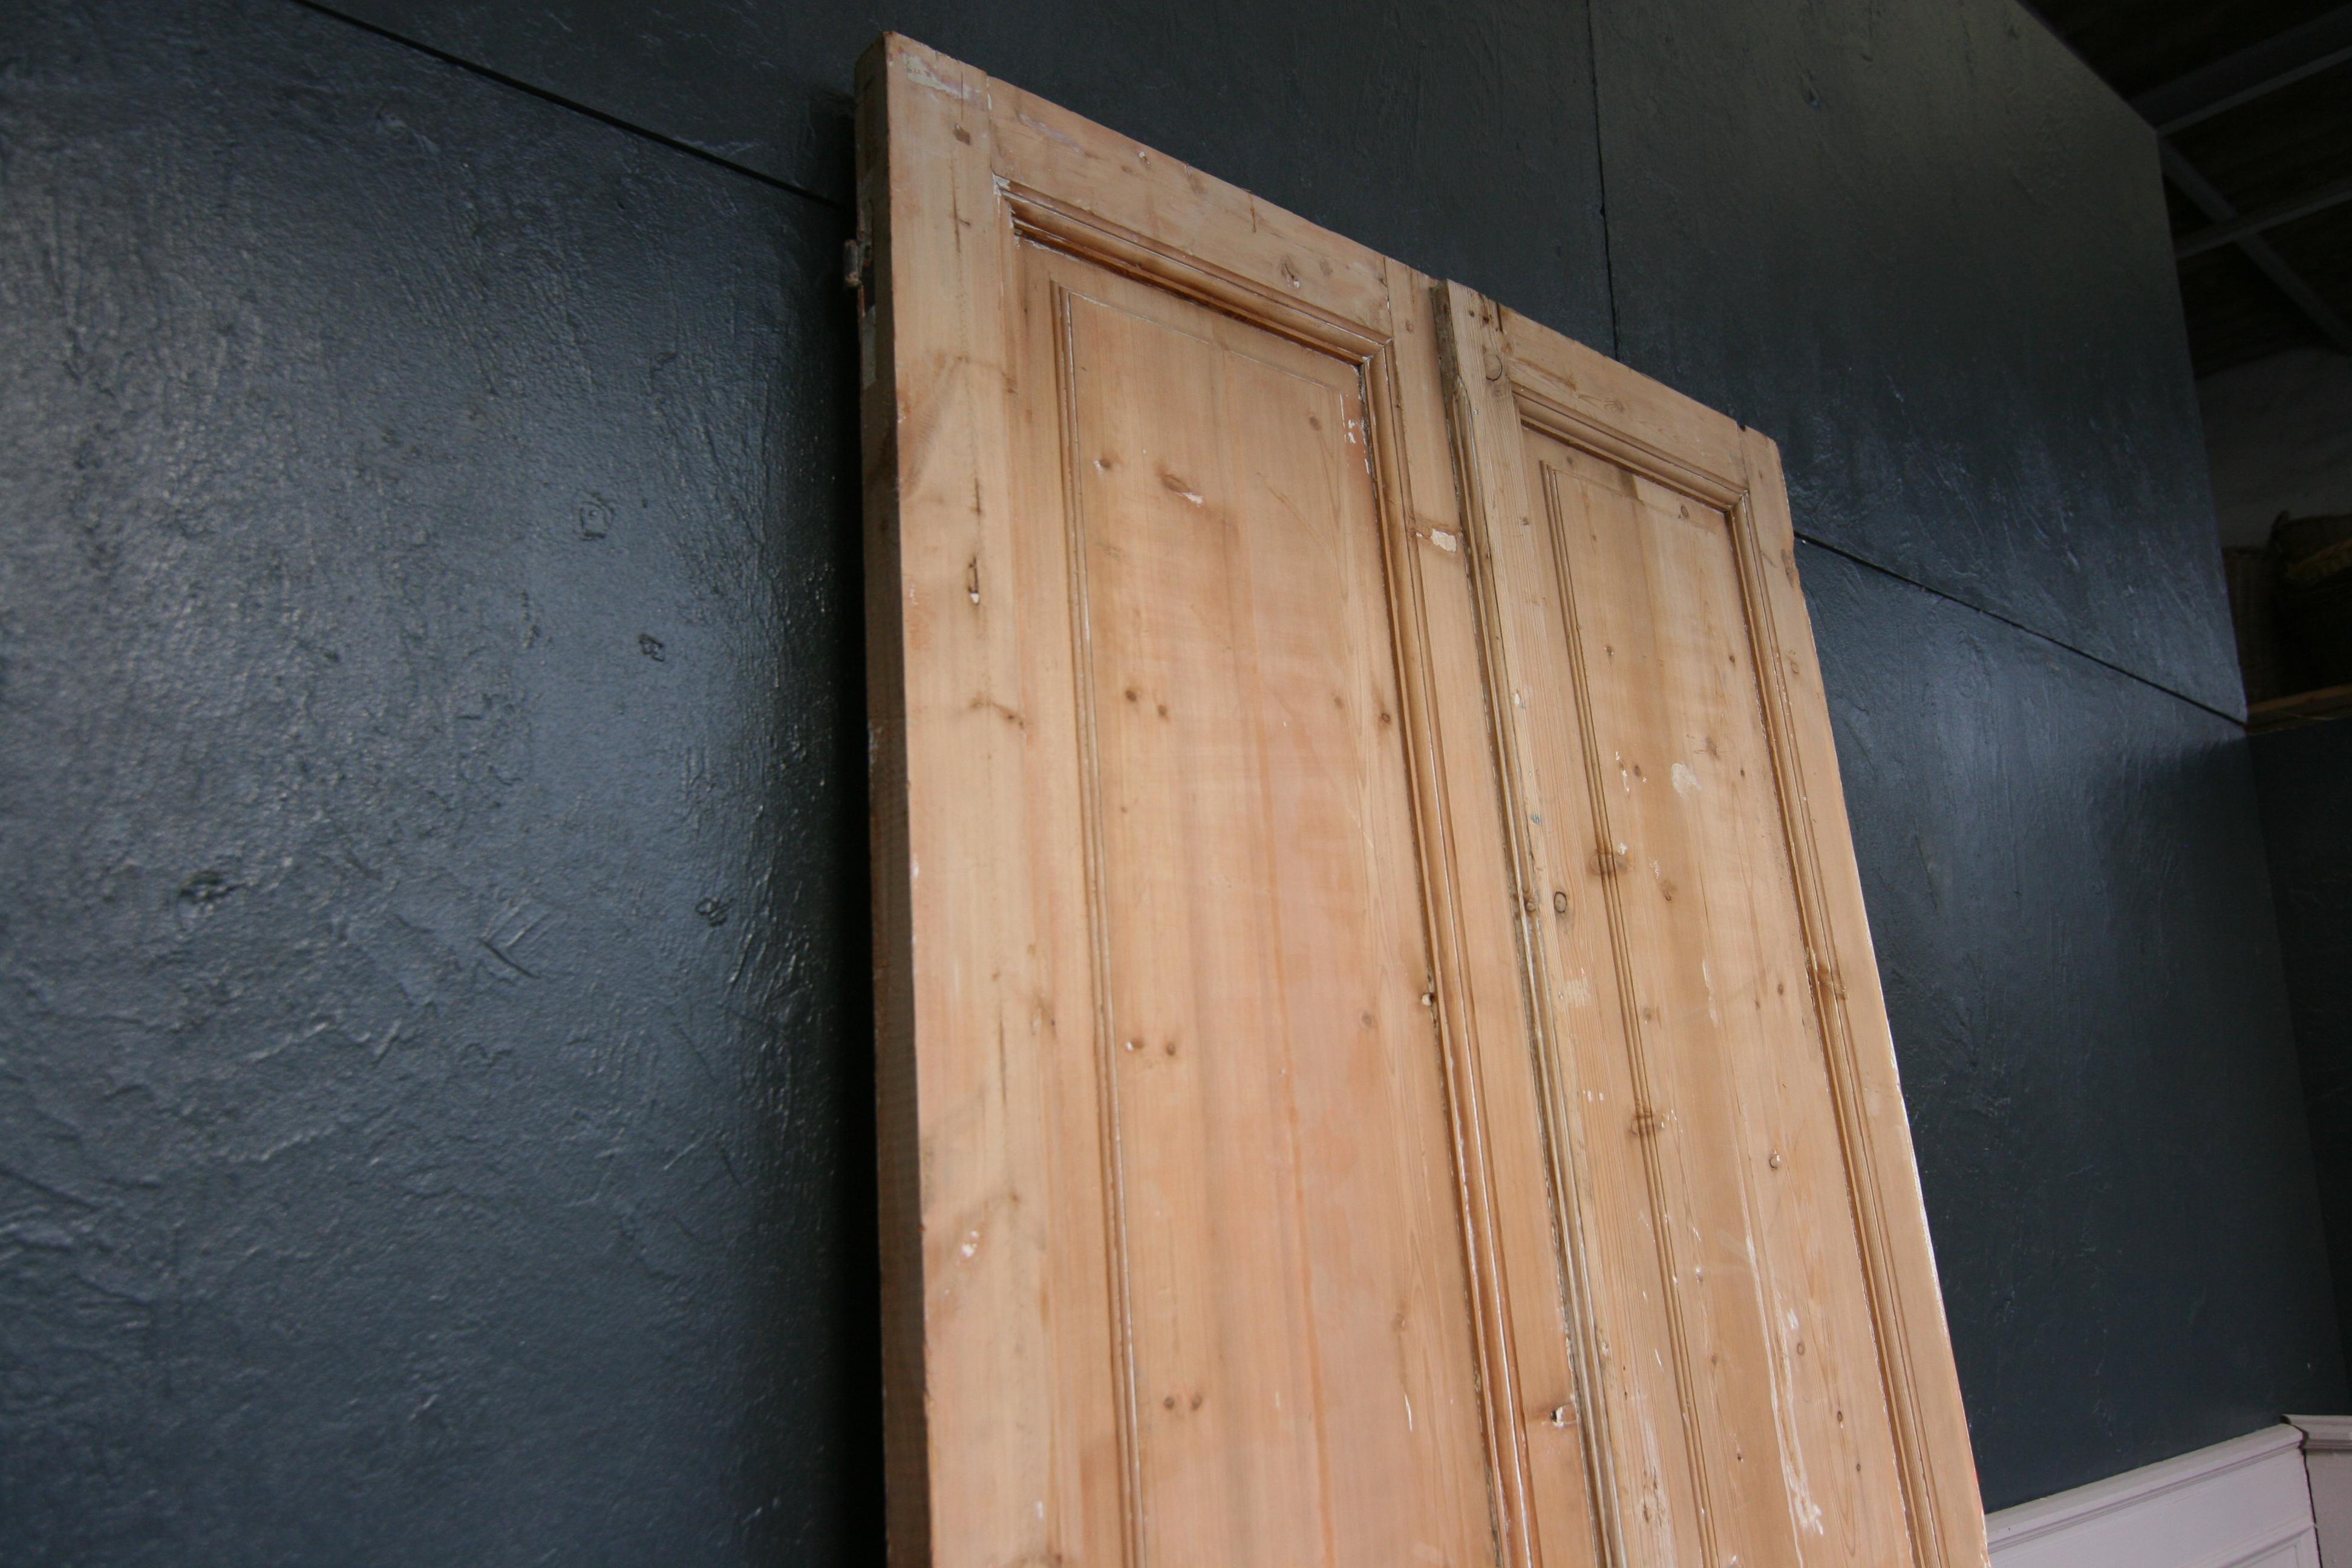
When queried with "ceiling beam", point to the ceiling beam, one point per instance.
{"points": [[2198, 242], [2218, 210], [2277, 61]]}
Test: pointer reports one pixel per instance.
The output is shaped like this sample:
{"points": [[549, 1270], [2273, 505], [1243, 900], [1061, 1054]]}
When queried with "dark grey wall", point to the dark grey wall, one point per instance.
{"points": [[2306, 778], [433, 1103], [1427, 132], [2063, 870], [432, 1061], [1925, 250]]}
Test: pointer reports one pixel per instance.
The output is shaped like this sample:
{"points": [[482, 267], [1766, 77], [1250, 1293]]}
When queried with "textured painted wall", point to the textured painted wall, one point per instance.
{"points": [[2306, 778], [434, 1087], [2062, 867], [1926, 251], [433, 1062], [1457, 138]]}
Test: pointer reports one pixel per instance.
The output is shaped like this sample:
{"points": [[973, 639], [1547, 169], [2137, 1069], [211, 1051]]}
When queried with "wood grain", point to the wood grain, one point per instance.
{"points": [[1775, 1380], [1355, 936]]}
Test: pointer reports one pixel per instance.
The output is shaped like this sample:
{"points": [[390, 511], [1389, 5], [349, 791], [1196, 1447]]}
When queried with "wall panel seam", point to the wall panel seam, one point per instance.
{"points": [[2034, 632], [1600, 173], [704, 154], [1600, 165]]}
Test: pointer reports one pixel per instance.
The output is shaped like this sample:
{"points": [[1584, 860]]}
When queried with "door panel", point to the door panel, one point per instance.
{"points": [[1377, 1051], [1288, 1255], [1775, 1384], [1678, 972], [1209, 1234]]}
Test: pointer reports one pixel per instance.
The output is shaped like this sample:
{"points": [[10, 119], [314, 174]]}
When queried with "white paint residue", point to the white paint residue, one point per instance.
{"points": [[1686, 781], [1807, 1513], [923, 76], [1653, 1503], [1408, 1411], [1192, 496], [1579, 991], [1443, 541], [971, 1243], [1042, 129]]}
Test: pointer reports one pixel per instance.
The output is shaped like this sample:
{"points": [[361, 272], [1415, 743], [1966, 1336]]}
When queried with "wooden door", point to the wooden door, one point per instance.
{"points": [[1379, 1060]]}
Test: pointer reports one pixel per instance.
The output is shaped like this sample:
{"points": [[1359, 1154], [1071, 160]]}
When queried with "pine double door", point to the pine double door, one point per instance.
{"points": [[1379, 1052]]}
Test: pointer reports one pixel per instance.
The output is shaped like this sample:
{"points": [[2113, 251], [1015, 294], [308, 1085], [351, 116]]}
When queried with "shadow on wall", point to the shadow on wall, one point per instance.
{"points": [[2306, 778]]}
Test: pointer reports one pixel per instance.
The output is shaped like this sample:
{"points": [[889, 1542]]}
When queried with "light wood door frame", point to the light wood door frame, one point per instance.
{"points": [[994, 1396]]}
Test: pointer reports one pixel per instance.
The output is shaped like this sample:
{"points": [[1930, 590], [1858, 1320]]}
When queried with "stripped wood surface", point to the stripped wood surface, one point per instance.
{"points": [[1378, 1059]]}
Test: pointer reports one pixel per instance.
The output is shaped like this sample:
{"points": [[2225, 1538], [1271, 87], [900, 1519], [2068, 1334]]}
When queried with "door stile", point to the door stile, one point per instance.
{"points": [[1413, 552], [1483, 417], [1920, 1379], [980, 1386]]}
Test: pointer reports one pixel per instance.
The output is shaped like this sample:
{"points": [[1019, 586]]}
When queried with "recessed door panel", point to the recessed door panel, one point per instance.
{"points": [[1743, 1378], [1288, 1254]]}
